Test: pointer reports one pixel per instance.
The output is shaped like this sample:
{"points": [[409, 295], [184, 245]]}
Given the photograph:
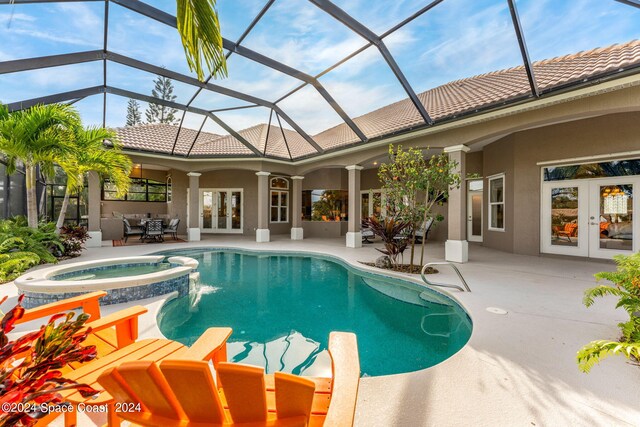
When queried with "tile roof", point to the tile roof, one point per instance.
{"points": [[445, 101]]}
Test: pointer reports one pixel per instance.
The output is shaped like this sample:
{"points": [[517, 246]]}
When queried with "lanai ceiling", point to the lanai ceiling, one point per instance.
{"points": [[309, 76]]}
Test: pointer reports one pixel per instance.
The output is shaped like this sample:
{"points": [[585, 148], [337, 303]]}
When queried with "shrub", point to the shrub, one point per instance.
{"points": [[73, 237], [29, 366], [23, 247], [16, 235], [14, 264], [388, 230], [626, 286]]}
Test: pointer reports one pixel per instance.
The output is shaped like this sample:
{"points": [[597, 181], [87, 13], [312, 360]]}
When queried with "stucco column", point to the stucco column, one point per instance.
{"points": [[354, 236], [193, 228], [456, 246], [262, 233], [297, 233], [94, 208]]}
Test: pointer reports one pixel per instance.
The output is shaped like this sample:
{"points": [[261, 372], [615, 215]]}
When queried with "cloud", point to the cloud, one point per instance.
{"points": [[9, 18]]}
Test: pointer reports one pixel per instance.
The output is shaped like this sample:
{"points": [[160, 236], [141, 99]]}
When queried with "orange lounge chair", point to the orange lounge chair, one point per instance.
{"points": [[181, 391], [108, 334], [570, 230]]}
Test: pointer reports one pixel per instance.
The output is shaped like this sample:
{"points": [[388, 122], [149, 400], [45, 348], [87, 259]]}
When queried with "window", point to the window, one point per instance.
{"points": [[279, 199], [325, 205], [169, 189], [140, 190], [593, 170], [496, 203], [279, 206], [280, 183]]}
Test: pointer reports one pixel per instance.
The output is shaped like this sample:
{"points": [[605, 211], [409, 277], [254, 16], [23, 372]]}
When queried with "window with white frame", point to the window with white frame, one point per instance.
{"points": [[279, 200], [496, 203]]}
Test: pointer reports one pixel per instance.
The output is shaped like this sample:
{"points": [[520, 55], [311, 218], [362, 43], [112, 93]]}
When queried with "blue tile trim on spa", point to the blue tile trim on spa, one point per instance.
{"points": [[116, 296]]}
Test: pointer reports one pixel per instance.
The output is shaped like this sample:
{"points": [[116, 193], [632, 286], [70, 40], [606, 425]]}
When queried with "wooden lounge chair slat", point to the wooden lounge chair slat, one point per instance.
{"points": [[193, 386], [294, 395], [145, 379], [244, 391], [88, 302]]}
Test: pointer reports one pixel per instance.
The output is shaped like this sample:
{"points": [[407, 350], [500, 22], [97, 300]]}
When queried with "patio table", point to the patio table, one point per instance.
{"points": [[88, 373]]}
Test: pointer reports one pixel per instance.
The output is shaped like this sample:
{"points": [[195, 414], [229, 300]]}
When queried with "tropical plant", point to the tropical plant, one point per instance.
{"points": [[160, 113], [413, 185], [36, 137], [23, 247], [199, 30], [30, 379], [73, 237], [89, 154], [388, 230], [626, 287], [134, 116]]}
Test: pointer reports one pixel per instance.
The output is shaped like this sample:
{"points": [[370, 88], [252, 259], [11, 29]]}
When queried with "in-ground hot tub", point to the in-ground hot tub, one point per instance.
{"points": [[124, 279]]}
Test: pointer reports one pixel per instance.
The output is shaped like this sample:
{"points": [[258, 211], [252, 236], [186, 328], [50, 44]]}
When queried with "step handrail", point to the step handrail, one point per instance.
{"points": [[445, 285]]}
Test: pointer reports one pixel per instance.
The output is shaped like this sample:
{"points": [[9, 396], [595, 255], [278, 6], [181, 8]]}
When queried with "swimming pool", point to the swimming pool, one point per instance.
{"points": [[283, 306]]}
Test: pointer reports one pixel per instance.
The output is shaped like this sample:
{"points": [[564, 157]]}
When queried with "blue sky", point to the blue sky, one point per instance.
{"points": [[456, 39]]}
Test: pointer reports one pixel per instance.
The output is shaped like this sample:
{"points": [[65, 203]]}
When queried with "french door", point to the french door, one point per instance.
{"points": [[590, 217], [221, 210]]}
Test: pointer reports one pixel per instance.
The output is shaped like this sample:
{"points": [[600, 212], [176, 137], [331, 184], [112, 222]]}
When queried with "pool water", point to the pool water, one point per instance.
{"points": [[112, 271], [283, 307]]}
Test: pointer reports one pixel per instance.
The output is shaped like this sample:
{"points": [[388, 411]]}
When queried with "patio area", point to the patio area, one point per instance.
{"points": [[517, 369]]}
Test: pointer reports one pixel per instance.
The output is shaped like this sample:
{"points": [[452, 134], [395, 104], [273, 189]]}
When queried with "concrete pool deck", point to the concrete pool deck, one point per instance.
{"points": [[518, 369]]}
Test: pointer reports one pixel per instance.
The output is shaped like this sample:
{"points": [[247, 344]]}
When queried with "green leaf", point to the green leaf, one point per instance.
{"points": [[199, 30]]}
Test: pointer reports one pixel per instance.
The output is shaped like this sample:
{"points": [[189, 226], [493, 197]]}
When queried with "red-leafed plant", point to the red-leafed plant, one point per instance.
{"points": [[29, 365], [390, 231]]}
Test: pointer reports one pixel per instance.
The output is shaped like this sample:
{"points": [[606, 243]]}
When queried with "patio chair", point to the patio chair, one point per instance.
{"points": [[131, 231], [569, 230], [172, 228], [153, 230], [181, 391], [423, 231], [108, 333], [367, 234]]}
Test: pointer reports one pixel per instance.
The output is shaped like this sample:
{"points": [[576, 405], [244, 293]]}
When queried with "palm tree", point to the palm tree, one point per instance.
{"points": [[199, 29], [90, 154], [37, 136]]}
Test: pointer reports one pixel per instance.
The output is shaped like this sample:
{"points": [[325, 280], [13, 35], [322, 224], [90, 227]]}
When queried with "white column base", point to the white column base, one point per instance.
{"points": [[262, 235], [193, 234], [95, 240], [297, 233], [354, 239], [456, 251]]}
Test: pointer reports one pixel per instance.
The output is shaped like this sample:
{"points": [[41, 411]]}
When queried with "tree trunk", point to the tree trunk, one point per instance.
{"points": [[63, 210], [32, 202], [413, 246]]}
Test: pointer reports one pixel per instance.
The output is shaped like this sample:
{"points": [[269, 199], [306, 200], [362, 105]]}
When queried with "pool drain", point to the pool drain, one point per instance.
{"points": [[496, 310]]}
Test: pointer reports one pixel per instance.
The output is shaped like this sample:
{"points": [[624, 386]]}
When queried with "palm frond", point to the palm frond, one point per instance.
{"points": [[596, 351], [600, 291], [199, 29]]}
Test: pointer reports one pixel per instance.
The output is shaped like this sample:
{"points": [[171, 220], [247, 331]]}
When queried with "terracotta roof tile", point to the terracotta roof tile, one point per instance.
{"points": [[448, 100]]}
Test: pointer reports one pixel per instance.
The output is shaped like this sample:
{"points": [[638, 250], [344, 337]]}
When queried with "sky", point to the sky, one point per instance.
{"points": [[454, 40]]}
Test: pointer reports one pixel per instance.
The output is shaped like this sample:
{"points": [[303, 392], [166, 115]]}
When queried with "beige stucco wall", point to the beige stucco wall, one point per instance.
{"points": [[517, 155]]}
